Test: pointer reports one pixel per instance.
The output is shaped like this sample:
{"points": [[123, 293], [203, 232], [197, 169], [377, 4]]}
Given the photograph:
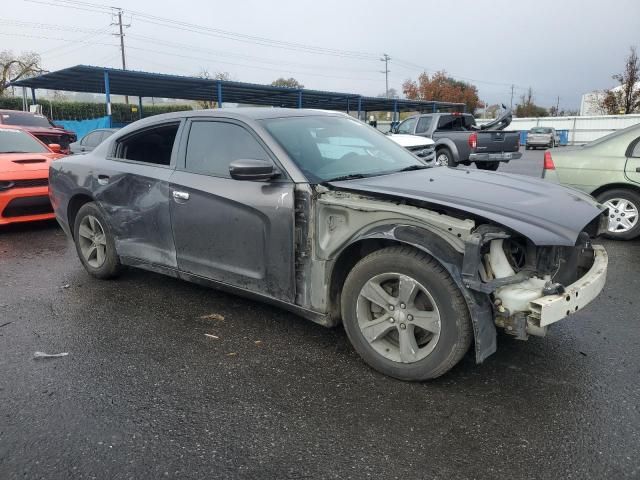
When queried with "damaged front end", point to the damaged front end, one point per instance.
{"points": [[532, 287]]}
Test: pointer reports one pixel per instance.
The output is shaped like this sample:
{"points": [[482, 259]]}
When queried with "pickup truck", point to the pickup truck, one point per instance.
{"points": [[460, 141]]}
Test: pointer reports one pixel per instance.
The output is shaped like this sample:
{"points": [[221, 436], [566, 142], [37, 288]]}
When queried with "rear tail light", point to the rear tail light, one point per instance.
{"points": [[473, 140], [548, 161]]}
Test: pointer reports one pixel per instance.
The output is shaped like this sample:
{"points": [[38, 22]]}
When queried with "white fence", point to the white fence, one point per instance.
{"points": [[581, 129]]}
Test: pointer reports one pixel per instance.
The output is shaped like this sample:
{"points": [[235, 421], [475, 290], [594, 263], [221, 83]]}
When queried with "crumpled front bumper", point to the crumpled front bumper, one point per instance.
{"points": [[552, 308]]}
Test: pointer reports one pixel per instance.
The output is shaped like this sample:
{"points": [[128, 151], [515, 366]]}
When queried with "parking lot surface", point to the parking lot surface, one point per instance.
{"points": [[169, 379]]}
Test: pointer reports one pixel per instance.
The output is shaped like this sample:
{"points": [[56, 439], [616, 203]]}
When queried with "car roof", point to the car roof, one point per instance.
{"points": [[252, 113]]}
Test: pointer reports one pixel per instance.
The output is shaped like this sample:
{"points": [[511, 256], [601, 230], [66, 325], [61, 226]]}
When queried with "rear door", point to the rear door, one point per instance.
{"points": [[132, 187], [232, 231], [632, 167]]}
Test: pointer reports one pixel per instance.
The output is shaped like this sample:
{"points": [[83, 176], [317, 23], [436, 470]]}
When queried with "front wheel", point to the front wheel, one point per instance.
{"points": [[444, 158], [493, 166], [624, 207], [94, 242], [404, 314]]}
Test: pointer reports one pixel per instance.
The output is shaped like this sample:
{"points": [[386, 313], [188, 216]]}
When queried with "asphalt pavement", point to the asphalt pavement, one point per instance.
{"points": [[166, 379]]}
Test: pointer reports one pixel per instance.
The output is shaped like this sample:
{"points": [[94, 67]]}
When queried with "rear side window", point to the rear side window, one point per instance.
{"points": [[153, 145], [92, 140], [423, 124], [455, 123], [212, 146], [636, 149]]}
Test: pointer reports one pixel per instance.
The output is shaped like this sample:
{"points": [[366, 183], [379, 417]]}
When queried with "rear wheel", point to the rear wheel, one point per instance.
{"points": [[94, 243], [444, 157], [493, 166], [404, 314], [624, 209]]}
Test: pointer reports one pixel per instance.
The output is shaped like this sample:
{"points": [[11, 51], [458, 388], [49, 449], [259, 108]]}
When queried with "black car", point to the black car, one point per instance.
{"points": [[325, 216]]}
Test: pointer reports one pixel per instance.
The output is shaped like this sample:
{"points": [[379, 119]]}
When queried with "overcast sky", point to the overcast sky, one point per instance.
{"points": [[563, 48]]}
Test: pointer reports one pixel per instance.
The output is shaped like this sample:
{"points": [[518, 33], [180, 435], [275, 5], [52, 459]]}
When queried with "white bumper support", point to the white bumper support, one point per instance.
{"points": [[551, 308]]}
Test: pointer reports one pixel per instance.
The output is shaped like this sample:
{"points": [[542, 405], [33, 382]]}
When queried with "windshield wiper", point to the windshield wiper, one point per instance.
{"points": [[412, 167], [351, 176]]}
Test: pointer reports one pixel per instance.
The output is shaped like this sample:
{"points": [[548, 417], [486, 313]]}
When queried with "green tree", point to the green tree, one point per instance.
{"points": [[287, 82]]}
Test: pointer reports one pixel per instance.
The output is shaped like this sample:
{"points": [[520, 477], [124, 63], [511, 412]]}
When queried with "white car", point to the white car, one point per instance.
{"points": [[423, 147]]}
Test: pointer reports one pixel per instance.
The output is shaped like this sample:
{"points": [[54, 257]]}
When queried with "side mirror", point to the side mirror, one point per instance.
{"points": [[248, 169], [55, 148]]}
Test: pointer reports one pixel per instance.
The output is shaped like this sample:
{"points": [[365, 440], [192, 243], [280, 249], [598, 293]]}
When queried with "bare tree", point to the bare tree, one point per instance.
{"points": [[625, 98], [15, 67], [204, 73], [528, 108]]}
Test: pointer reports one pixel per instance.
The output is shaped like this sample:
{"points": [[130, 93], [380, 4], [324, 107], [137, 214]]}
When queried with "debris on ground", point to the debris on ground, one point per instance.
{"points": [[231, 354], [66, 285], [213, 316], [258, 342], [211, 336], [49, 355]]}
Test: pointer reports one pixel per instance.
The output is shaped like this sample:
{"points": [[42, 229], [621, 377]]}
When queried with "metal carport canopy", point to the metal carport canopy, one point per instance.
{"points": [[91, 79]]}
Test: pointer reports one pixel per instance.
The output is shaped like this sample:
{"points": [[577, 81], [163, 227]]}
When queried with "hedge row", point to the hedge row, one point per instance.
{"points": [[121, 112]]}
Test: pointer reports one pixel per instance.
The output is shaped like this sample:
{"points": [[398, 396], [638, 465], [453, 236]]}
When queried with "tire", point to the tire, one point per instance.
{"points": [[624, 223], [94, 243], [444, 157], [436, 352], [551, 144], [527, 147], [492, 166]]}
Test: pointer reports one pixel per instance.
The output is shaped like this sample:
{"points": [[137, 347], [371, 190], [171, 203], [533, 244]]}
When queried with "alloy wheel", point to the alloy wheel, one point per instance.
{"points": [[398, 317], [92, 240], [442, 159], [623, 215]]}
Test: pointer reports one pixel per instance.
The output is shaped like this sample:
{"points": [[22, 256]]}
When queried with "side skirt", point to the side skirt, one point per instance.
{"points": [[316, 317]]}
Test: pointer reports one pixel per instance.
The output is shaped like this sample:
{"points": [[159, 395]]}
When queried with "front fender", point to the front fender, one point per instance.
{"points": [[480, 307]]}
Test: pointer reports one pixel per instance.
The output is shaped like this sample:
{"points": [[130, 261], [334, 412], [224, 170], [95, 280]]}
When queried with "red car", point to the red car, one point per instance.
{"points": [[40, 127], [24, 176]]}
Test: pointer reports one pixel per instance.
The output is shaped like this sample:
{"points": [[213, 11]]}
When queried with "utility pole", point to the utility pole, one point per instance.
{"points": [[512, 87], [558, 106], [121, 35], [385, 58]]}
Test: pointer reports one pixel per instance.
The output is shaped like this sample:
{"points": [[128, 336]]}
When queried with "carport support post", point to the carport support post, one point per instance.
{"points": [[359, 107], [395, 110], [299, 98], [140, 106], [434, 108], [33, 96], [348, 112], [219, 94], [107, 94]]}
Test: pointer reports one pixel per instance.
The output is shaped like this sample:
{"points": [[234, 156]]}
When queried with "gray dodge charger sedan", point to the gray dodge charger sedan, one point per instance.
{"points": [[325, 216]]}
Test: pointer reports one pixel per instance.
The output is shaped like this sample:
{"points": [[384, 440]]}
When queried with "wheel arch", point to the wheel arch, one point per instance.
{"points": [[75, 204], [615, 186], [479, 305], [449, 145]]}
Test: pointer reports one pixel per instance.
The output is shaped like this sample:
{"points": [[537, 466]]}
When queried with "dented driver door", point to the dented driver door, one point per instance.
{"points": [[232, 231]]}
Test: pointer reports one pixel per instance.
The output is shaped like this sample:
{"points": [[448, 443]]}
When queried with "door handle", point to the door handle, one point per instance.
{"points": [[180, 195], [103, 179]]}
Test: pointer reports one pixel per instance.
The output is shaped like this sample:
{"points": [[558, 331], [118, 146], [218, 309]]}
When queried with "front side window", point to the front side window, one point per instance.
{"points": [[18, 141], [407, 126], [327, 148], [152, 145], [212, 146]]}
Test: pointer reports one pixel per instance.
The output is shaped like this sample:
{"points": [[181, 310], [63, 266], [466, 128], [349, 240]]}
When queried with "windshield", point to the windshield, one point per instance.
{"points": [[540, 130], [330, 148], [17, 141], [25, 119]]}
